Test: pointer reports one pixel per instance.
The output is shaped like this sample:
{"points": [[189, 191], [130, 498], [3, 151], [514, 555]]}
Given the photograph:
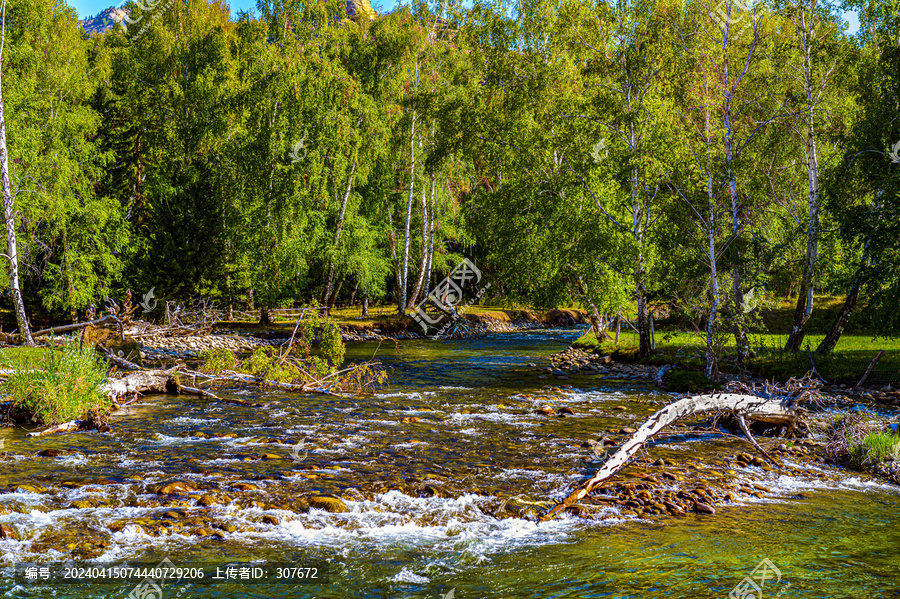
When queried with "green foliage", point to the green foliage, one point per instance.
{"points": [[60, 385], [587, 341], [877, 447], [216, 361], [266, 365], [856, 439], [320, 329], [689, 381]]}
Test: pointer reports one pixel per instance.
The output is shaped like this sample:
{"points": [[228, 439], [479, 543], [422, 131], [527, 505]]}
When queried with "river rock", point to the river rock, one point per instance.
{"points": [[7, 532], [207, 501], [703, 508], [50, 453], [245, 486], [176, 487], [329, 504], [409, 419], [267, 519]]}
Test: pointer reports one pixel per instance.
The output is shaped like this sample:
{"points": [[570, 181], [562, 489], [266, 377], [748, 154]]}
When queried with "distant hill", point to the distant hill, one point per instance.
{"points": [[107, 19], [103, 22]]}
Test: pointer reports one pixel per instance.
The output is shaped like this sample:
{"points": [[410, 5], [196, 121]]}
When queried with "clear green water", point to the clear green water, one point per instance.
{"points": [[483, 452]]}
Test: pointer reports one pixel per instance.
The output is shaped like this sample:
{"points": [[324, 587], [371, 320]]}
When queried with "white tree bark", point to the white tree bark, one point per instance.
{"points": [[409, 202], [776, 410], [12, 254]]}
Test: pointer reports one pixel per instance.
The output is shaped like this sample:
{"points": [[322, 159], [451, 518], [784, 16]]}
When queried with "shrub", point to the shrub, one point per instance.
{"points": [[59, 385], [689, 381], [216, 361], [263, 364]]}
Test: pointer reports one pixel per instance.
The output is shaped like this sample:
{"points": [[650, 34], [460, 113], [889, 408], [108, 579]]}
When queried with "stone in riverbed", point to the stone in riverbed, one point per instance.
{"points": [[7, 532], [409, 419], [267, 519], [176, 487], [565, 410], [544, 410], [627, 431], [51, 453], [329, 504], [703, 508], [245, 486]]}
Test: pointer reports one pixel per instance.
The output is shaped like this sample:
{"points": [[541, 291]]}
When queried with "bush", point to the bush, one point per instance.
{"points": [[59, 385], [689, 381], [216, 361], [263, 364]]}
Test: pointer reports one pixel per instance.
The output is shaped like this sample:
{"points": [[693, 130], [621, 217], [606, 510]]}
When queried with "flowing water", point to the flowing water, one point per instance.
{"points": [[441, 507]]}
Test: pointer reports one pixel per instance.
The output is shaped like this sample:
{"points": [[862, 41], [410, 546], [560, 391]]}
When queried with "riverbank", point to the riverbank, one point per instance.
{"points": [[246, 337]]}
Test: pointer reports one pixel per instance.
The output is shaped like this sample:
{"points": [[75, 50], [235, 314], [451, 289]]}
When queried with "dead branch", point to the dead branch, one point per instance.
{"points": [[80, 325]]}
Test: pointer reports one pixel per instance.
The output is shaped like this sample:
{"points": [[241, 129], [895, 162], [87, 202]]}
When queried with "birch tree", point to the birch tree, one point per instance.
{"points": [[12, 253]]}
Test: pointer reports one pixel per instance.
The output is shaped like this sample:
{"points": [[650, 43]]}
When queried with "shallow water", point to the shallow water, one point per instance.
{"points": [[446, 503]]}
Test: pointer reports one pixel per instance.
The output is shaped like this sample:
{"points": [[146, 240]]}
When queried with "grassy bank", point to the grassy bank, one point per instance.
{"points": [[53, 385], [846, 365], [849, 361]]}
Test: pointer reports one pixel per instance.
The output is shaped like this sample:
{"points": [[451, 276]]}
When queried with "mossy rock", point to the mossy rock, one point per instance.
{"points": [[329, 504]]}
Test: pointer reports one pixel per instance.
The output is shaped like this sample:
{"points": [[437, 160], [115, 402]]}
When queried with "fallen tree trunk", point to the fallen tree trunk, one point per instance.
{"points": [[142, 382], [783, 411], [80, 325]]}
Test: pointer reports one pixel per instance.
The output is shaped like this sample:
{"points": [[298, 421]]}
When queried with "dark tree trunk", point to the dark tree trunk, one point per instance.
{"points": [[837, 327]]}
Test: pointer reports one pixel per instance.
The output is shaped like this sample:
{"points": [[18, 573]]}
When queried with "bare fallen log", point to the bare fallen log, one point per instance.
{"points": [[784, 410], [65, 427], [80, 325], [142, 382]]}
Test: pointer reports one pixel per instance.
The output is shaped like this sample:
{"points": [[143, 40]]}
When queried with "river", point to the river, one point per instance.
{"points": [[442, 507]]}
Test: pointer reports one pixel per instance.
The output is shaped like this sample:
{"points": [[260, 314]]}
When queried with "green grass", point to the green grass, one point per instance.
{"points": [[587, 341], [877, 447], [848, 363], [56, 385]]}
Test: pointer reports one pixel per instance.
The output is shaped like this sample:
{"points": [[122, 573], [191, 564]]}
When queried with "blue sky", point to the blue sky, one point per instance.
{"points": [[88, 8]]}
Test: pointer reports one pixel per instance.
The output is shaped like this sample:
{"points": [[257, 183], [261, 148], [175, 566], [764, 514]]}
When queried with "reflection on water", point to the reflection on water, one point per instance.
{"points": [[447, 502]]}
